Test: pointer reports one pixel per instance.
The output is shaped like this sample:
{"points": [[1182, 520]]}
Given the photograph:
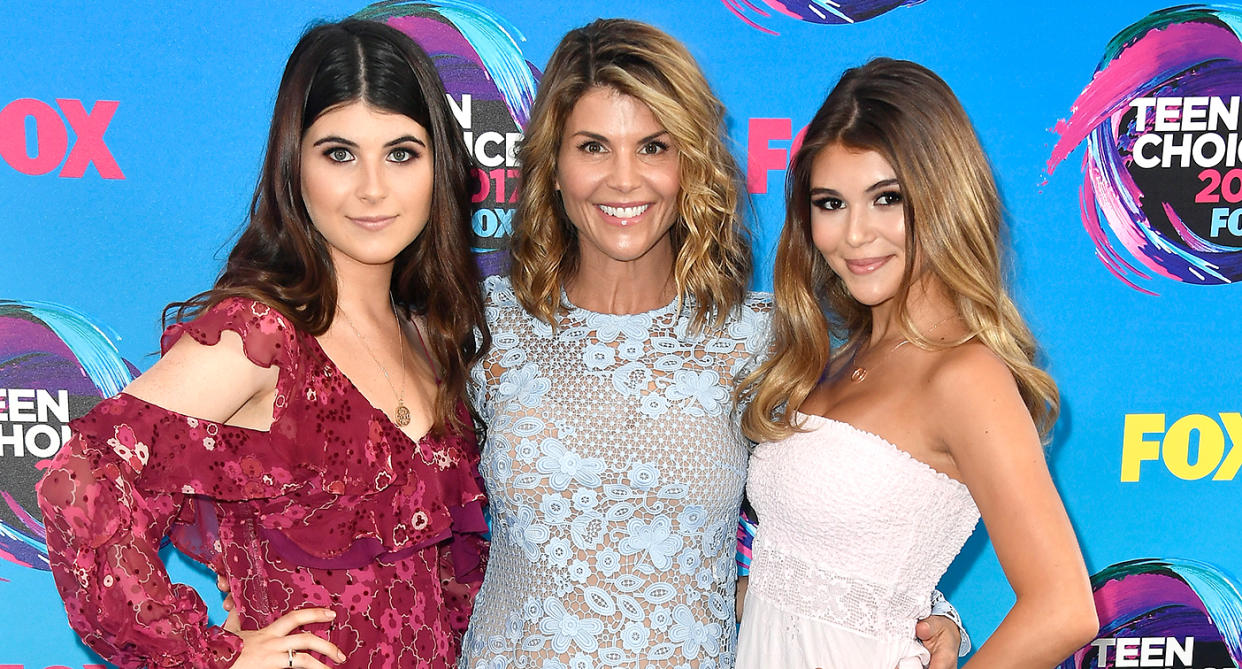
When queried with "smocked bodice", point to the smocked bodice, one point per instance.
{"points": [[853, 530]]}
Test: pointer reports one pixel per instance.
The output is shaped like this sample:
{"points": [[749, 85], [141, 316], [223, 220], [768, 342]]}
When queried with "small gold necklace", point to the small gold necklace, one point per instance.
{"points": [[402, 415], [860, 372]]}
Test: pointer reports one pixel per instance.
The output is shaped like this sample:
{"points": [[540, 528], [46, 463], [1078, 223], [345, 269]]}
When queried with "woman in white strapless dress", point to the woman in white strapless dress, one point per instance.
{"points": [[878, 458]]}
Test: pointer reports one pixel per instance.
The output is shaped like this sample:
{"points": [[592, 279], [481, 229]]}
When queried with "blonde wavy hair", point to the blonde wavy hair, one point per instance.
{"points": [[953, 214], [711, 243]]}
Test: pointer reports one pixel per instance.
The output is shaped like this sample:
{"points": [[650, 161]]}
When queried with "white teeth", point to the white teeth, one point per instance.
{"points": [[624, 212]]}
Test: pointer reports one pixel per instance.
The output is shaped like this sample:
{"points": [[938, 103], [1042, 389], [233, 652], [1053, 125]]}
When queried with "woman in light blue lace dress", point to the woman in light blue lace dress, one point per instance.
{"points": [[613, 461]]}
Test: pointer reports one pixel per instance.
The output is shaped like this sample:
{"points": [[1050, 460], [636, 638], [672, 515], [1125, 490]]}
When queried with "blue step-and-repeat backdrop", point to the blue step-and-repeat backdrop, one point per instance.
{"points": [[131, 136]]}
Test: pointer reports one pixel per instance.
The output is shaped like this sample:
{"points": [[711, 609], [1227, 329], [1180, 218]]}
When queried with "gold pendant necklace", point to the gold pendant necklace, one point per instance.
{"points": [[402, 415], [860, 372]]}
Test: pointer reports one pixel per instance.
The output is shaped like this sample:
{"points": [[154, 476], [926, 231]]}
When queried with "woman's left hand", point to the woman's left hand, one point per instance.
{"points": [[942, 638]]}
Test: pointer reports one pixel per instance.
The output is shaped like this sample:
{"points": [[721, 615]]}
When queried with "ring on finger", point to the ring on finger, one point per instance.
{"points": [[290, 651]]}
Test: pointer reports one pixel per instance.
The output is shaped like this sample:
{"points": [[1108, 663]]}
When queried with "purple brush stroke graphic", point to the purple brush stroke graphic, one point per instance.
{"points": [[56, 349], [822, 12], [478, 54], [1188, 51], [32, 356], [1167, 598]]}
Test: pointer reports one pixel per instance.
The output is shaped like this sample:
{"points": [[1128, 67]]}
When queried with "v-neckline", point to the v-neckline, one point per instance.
{"points": [[374, 409]]}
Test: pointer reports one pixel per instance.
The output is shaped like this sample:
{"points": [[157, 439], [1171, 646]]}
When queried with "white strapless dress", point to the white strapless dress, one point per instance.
{"points": [[853, 536]]}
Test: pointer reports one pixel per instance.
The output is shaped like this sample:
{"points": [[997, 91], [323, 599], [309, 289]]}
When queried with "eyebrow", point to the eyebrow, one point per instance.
{"points": [[333, 139], [879, 185], [600, 138]]}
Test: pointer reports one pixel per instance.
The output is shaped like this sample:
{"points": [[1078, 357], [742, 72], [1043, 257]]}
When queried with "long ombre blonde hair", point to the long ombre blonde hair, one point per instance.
{"points": [[711, 243], [953, 214]]}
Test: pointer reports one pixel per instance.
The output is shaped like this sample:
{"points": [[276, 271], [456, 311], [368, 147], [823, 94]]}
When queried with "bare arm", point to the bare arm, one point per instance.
{"points": [[218, 383], [995, 447]]}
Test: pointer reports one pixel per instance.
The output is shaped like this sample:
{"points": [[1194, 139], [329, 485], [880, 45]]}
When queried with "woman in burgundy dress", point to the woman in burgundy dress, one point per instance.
{"points": [[304, 432]]}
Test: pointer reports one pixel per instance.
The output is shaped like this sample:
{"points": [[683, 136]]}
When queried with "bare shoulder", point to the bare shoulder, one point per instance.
{"points": [[226, 359], [205, 381], [974, 397], [968, 372]]}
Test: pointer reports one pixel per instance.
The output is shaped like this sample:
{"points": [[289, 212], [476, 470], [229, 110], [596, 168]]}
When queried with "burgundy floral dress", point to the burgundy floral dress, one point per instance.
{"points": [[332, 507]]}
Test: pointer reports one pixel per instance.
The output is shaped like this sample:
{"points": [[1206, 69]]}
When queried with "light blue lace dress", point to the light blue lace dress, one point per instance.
{"points": [[615, 471]]}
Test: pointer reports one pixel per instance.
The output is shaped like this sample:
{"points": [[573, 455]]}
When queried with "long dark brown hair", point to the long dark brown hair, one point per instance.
{"points": [[280, 258]]}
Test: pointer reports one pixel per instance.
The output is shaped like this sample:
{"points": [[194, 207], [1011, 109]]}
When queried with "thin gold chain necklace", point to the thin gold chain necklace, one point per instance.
{"points": [[860, 372], [402, 415]]}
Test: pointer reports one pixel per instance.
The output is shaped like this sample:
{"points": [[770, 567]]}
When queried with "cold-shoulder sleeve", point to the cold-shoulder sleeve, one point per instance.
{"points": [[131, 474], [103, 535]]}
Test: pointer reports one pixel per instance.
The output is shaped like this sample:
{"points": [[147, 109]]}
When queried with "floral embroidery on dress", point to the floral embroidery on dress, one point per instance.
{"points": [[615, 469], [333, 506]]}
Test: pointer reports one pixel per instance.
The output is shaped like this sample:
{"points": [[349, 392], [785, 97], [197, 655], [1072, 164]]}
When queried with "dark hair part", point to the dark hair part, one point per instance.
{"points": [[281, 259]]}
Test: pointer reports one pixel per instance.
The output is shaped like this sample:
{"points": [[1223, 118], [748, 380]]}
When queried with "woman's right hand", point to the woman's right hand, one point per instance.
{"points": [[223, 584], [277, 646]]}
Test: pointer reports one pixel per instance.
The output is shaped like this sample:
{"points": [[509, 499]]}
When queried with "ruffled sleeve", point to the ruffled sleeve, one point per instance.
{"points": [[105, 521], [217, 463], [103, 534], [268, 338], [333, 484]]}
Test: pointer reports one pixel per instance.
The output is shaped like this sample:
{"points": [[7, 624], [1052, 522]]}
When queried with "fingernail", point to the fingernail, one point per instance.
{"points": [[340, 657], [331, 614]]}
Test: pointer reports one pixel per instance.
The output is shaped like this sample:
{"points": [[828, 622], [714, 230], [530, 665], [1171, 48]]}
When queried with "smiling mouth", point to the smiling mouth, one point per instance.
{"points": [[866, 265], [372, 222], [624, 213]]}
